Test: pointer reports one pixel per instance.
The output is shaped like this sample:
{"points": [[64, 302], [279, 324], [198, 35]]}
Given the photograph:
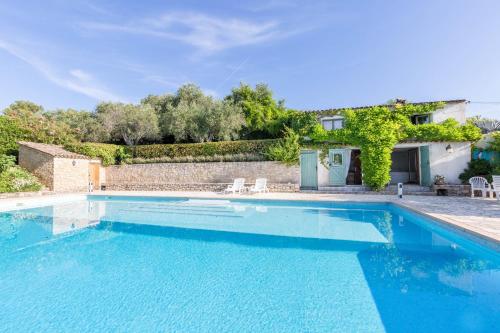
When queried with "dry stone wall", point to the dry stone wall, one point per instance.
{"points": [[38, 163], [212, 176]]}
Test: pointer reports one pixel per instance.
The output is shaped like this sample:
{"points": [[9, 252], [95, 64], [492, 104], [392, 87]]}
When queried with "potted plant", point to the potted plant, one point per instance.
{"points": [[439, 180]]}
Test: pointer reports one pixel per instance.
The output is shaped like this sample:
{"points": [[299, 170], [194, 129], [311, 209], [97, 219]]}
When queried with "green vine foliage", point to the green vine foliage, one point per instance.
{"points": [[448, 130], [376, 130], [323, 148]]}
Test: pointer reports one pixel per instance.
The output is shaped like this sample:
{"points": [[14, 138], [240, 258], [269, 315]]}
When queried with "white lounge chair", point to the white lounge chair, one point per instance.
{"points": [[479, 184], [496, 186], [237, 186], [260, 186]]}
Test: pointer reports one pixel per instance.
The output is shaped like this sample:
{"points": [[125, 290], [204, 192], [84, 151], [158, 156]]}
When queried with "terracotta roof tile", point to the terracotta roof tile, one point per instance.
{"points": [[53, 150]]}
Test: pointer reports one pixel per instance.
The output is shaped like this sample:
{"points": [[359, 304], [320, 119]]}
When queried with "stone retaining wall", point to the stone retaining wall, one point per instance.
{"points": [[452, 190], [210, 176], [212, 187]]}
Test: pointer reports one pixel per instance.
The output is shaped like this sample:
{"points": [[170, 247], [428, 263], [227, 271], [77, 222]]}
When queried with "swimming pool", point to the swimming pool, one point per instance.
{"points": [[141, 264]]}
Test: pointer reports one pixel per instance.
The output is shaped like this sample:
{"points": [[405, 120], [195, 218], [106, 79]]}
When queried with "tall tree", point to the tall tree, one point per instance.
{"points": [[128, 122], [259, 107], [190, 115], [30, 119], [84, 124]]}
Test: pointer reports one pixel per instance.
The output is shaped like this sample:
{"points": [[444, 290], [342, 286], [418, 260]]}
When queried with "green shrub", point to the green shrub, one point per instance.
{"points": [[16, 127], [286, 150], [496, 170], [481, 168], [244, 157], [495, 143], [6, 162], [16, 179], [108, 153], [202, 149]]}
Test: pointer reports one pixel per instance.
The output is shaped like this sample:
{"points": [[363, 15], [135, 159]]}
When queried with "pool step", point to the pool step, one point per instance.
{"points": [[191, 208]]}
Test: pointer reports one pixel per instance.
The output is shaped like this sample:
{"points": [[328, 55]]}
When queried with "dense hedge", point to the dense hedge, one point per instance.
{"points": [[108, 153], [203, 149], [199, 159]]}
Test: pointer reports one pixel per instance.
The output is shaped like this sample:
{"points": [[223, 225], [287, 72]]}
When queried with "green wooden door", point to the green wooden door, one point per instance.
{"points": [[309, 170], [337, 159], [425, 166]]}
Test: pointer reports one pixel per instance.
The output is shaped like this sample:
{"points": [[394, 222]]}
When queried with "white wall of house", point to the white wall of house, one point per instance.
{"points": [[451, 110], [446, 164], [323, 173], [442, 162]]}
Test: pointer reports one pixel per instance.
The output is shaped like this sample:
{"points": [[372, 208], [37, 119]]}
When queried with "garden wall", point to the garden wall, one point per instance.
{"points": [[210, 176]]}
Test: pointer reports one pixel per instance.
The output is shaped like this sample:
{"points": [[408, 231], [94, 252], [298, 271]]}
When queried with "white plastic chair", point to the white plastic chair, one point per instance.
{"points": [[260, 186], [237, 186], [496, 186], [479, 184]]}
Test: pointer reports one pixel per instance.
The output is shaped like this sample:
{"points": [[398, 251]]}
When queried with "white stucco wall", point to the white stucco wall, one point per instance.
{"points": [[449, 165], [323, 174], [452, 110], [442, 163]]}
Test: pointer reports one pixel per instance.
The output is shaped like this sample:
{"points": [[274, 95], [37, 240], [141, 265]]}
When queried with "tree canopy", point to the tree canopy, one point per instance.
{"points": [[259, 107], [128, 122], [190, 115]]}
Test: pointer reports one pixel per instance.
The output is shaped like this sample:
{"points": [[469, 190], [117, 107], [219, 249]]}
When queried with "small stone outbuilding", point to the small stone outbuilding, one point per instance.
{"points": [[58, 169]]}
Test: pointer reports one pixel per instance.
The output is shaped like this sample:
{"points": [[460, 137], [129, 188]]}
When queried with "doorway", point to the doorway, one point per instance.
{"points": [[355, 176], [308, 170], [94, 175], [405, 166]]}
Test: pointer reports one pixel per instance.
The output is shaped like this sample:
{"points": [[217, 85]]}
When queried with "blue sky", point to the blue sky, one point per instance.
{"points": [[313, 54]]}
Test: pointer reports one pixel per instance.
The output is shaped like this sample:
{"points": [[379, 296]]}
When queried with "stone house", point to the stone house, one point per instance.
{"points": [[58, 169]]}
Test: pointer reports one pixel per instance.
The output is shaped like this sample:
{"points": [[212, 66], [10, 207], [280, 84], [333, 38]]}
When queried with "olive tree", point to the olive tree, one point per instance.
{"points": [[84, 124], [128, 122], [190, 115]]}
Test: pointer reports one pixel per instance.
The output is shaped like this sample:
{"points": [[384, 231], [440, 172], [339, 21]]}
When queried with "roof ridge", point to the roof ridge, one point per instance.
{"points": [[53, 150], [451, 101]]}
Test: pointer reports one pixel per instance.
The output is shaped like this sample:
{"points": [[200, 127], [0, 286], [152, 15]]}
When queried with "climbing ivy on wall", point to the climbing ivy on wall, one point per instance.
{"points": [[376, 130]]}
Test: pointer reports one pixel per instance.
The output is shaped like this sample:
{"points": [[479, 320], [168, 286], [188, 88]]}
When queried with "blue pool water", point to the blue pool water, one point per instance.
{"points": [[180, 265]]}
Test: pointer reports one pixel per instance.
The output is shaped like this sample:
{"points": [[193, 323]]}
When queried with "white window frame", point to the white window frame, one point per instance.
{"points": [[416, 116], [333, 120]]}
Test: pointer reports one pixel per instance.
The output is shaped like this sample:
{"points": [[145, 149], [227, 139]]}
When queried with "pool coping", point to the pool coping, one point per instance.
{"points": [[456, 226], [476, 234]]}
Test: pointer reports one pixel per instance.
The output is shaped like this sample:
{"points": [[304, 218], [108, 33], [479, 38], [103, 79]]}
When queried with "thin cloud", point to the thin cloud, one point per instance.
{"points": [[75, 80], [206, 33], [273, 5]]}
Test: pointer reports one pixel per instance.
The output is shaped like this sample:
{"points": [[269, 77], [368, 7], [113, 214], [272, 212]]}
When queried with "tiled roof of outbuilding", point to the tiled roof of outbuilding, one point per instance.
{"points": [[53, 150]]}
